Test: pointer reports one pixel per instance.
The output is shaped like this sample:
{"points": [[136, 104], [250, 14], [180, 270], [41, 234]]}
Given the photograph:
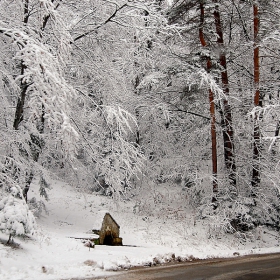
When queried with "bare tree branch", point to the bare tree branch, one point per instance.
{"points": [[103, 23]]}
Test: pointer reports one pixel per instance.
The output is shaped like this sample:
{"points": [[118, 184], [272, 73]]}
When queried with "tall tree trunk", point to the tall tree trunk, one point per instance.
{"points": [[257, 102], [212, 111], [23, 85], [20, 102], [35, 143], [228, 133], [26, 11]]}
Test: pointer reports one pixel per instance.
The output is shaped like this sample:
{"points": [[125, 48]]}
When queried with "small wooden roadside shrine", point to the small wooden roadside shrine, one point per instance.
{"points": [[107, 229]]}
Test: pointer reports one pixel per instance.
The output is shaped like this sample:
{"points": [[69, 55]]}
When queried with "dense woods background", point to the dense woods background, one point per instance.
{"points": [[112, 96]]}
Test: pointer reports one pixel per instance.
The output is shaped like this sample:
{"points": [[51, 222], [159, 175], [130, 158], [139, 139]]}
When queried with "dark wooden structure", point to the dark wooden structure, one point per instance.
{"points": [[109, 232]]}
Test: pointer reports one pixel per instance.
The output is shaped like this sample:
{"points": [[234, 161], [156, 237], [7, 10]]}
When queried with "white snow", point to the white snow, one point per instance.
{"points": [[15, 218], [53, 252]]}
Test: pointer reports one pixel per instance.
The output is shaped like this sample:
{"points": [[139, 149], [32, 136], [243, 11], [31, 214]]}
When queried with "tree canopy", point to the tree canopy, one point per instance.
{"points": [[100, 93]]}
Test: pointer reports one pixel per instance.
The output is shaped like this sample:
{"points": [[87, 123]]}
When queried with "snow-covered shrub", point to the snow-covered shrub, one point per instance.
{"points": [[43, 186], [266, 210], [231, 215], [37, 207], [15, 216]]}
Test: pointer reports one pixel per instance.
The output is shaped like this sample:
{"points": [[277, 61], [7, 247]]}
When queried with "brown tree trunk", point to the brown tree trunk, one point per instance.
{"points": [[257, 102], [228, 132], [212, 111]]}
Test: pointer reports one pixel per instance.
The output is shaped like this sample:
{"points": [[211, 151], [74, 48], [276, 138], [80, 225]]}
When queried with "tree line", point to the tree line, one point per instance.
{"points": [[184, 92]]}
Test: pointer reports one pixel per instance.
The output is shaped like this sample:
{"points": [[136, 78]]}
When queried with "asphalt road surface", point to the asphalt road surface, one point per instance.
{"points": [[260, 267]]}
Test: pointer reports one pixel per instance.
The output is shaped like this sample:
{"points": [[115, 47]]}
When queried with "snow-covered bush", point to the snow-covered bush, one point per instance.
{"points": [[38, 207], [15, 216]]}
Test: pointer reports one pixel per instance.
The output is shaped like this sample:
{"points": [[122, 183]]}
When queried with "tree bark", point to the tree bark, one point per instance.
{"points": [[26, 12], [212, 112], [35, 143], [228, 133], [257, 102], [20, 102], [23, 86]]}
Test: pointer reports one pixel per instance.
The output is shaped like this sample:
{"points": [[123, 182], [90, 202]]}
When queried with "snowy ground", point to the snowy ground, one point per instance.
{"points": [[51, 253]]}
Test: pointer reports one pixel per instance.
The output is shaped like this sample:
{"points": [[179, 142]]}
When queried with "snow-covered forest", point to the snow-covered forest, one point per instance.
{"points": [[171, 107]]}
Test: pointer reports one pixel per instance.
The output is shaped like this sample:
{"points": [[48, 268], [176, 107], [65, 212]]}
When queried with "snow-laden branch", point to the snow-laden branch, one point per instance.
{"points": [[120, 118], [113, 15], [152, 80], [258, 111], [59, 28], [275, 36], [122, 162], [48, 93], [208, 80]]}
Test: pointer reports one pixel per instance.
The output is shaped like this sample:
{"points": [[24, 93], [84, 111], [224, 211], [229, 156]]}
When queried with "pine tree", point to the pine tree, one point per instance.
{"points": [[15, 217]]}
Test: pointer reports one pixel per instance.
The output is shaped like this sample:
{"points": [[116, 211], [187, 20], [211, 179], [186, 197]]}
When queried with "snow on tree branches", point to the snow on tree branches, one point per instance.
{"points": [[48, 93], [15, 217]]}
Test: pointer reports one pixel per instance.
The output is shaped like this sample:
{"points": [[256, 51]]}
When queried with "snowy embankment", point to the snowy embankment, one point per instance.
{"points": [[55, 251]]}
